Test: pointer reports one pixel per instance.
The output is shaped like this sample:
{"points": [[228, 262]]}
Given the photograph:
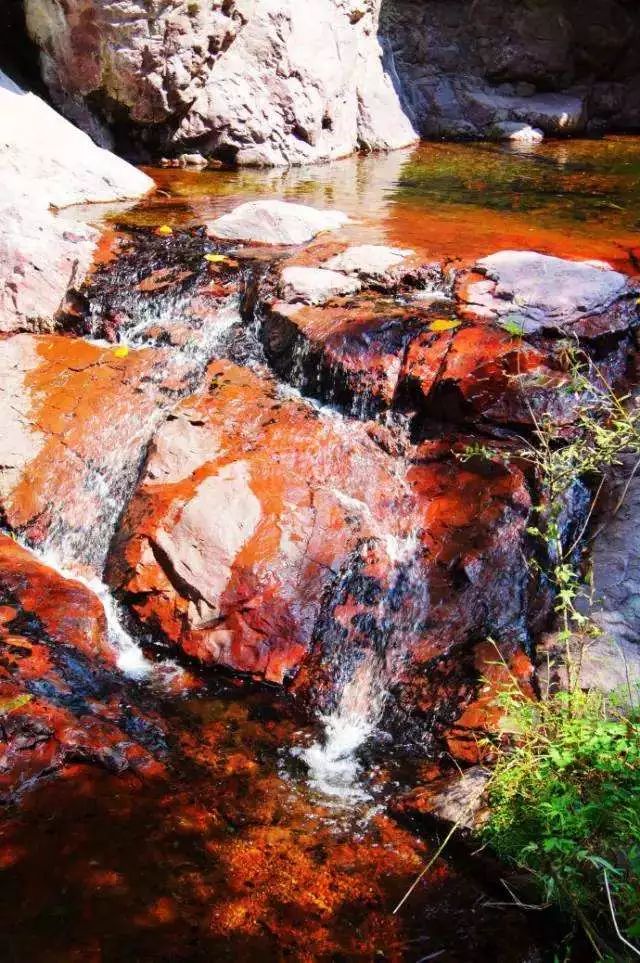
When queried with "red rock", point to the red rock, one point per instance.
{"points": [[498, 668], [248, 510], [75, 419], [482, 371], [67, 611], [61, 698]]}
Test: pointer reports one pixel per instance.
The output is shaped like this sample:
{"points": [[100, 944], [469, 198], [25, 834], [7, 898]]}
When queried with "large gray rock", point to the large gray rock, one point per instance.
{"points": [[41, 256], [268, 82], [55, 159], [616, 577], [275, 222], [541, 292], [609, 662], [315, 285], [274, 82], [46, 163]]}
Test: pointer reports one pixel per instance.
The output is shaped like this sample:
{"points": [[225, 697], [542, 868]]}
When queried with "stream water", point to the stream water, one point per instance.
{"points": [[268, 837]]}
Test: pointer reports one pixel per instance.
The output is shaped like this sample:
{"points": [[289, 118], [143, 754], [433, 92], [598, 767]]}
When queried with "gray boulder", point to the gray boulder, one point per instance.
{"points": [[368, 260], [266, 82], [53, 158], [275, 222], [315, 285], [46, 164], [543, 292]]}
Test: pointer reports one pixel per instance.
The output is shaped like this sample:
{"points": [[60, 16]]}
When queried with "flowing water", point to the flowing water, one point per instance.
{"points": [[267, 838]]}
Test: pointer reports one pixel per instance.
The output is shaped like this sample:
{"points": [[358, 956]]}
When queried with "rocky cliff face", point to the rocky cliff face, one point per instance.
{"points": [[275, 82], [467, 68], [257, 81]]}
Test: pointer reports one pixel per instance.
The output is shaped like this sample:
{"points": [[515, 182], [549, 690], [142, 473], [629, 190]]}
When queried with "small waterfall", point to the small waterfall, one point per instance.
{"points": [[80, 552], [362, 689]]}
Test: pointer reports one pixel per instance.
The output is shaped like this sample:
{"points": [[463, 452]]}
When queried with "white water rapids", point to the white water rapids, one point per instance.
{"points": [[362, 691]]}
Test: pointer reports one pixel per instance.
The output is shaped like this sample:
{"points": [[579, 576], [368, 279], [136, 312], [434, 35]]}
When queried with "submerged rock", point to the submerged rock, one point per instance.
{"points": [[180, 289], [460, 801], [518, 133]]}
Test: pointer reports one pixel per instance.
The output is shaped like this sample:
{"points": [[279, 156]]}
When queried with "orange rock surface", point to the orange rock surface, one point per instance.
{"points": [[249, 506]]}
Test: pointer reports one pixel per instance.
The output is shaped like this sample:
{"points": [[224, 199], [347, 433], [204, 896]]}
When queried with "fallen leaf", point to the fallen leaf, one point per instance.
{"points": [[10, 705], [164, 230], [444, 324], [121, 351]]}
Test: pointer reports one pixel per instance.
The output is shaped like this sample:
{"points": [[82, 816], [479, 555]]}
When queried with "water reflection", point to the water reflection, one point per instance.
{"points": [[572, 198]]}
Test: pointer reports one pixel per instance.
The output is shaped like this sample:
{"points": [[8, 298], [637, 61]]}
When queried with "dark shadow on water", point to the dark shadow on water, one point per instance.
{"points": [[223, 859]]}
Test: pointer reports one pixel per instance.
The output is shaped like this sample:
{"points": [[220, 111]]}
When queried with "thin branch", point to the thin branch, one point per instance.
{"points": [[427, 867], [633, 948], [625, 490]]}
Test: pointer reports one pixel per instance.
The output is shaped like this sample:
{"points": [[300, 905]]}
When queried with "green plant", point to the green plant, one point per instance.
{"points": [[565, 805], [605, 427], [565, 792]]}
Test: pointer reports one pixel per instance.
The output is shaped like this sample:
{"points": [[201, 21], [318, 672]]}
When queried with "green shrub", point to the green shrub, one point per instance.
{"points": [[565, 805]]}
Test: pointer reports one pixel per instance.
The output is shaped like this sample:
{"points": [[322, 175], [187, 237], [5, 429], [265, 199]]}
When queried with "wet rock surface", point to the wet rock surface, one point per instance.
{"points": [[67, 459], [62, 700], [327, 573], [401, 341], [460, 801], [249, 507]]}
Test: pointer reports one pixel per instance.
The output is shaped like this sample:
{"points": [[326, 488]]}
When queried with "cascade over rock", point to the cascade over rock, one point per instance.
{"points": [[250, 507], [62, 701], [75, 420], [486, 346]]}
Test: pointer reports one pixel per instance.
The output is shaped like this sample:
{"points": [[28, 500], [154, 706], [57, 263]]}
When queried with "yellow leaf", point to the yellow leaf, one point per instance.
{"points": [[216, 258], [10, 705], [444, 324], [164, 231], [121, 351]]}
